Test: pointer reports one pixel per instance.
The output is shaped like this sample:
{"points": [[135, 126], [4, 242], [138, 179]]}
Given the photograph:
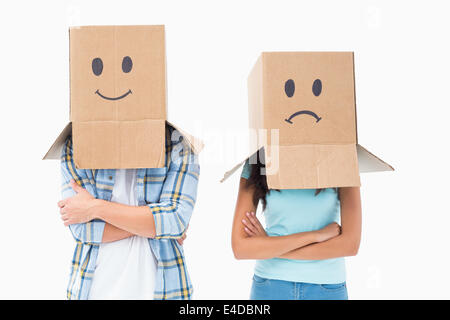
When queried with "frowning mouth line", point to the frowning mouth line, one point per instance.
{"points": [[312, 114], [116, 98]]}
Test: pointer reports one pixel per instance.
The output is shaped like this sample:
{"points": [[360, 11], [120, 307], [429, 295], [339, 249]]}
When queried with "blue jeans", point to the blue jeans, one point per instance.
{"points": [[268, 289]]}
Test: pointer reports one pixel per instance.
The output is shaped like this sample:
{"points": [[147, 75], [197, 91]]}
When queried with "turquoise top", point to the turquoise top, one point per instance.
{"points": [[291, 211]]}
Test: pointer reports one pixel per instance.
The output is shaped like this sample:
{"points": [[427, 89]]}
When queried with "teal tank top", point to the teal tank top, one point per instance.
{"points": [[291, 211]]}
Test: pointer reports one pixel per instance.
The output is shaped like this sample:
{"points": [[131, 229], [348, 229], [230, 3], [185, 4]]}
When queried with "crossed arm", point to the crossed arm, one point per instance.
{"points": [[347, 242], [121, 221], [249, 240], [93, 221]]}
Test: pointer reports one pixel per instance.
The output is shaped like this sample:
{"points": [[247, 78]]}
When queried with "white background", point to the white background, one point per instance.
{"points": [[402, 83]]}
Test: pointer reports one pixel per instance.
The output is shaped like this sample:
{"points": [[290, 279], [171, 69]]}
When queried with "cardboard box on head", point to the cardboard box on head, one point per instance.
{"points": [[303, 115], [118, 106]]}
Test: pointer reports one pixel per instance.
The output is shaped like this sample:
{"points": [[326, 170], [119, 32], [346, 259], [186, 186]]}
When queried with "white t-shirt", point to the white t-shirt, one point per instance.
{"points": [[125, 269]]}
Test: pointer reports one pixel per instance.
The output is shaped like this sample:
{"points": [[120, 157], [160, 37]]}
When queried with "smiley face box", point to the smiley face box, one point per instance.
{"points": [[117, 73], [308, 100], [117, 97]]}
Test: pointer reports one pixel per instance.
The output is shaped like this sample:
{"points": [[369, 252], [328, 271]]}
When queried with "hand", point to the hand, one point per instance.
{"points": [[330, 231], [253, 227], [183, 237], [76, 208]]}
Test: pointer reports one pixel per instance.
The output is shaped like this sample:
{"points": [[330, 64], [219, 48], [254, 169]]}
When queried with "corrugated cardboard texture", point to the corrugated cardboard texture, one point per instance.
{"points": [[119, 144], [334, 106], [118, 96], [309, 98], [367, 162], [55, 150], [255, 96], [145, 46], [315, 166]]}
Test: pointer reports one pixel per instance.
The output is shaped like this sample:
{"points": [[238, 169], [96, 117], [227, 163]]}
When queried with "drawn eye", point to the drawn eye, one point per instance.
{"points": [[97, 66], [127, 64], [317, 87], [289, 88]]}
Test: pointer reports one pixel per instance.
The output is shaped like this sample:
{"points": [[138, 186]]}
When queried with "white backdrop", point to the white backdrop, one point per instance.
{"points": [[402, 82]]}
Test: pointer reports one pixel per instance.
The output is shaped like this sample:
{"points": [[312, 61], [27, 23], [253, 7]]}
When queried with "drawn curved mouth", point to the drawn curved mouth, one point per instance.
{"points": [[115, 98], [312, 114]]}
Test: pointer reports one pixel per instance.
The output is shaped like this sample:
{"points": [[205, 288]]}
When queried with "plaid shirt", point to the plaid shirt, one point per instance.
{"points": [[170, 193]]}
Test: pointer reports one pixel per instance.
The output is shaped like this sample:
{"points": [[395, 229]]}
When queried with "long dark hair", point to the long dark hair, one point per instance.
{"points": [[258, 181]]}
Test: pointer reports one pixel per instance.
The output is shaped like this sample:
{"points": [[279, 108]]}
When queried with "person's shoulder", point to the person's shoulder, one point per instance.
{"points": [[67, 148], [175, 138], [246, 170]]}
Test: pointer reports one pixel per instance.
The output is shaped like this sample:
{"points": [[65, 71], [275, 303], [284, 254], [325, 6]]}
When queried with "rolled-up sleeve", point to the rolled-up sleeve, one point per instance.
{"points": [[174, 210], [90, 232]]}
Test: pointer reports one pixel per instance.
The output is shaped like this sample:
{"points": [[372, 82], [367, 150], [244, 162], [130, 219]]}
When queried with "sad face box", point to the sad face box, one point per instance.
{"points": [[308, 100], [308, 97], [118, 106]]}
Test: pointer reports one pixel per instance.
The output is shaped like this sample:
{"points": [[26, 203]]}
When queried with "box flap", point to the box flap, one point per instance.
{"points": [[368, 162], [309, 166], [118, 106], [303, 105], [55, 150], [54, 153], [313, 166], [229, 173], [236, 167], [119, 144], [194, 143]]}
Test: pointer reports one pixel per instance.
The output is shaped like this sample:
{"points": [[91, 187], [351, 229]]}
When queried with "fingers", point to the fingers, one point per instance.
{"points": [[66, 219], [63, 212], [338, 227], [68, 223], [75, 186], [69, 219], [62, 203], [249, 232], [257, 226], [250, 227], [181, 240], [255, 221]]}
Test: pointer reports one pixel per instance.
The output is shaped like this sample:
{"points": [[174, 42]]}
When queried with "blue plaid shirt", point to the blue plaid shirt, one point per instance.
{"points": [[170, 193]]}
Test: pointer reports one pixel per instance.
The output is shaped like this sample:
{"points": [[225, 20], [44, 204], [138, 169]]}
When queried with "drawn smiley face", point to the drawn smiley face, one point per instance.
{"points": [[289, 88], [97, 69], [117, 73]]}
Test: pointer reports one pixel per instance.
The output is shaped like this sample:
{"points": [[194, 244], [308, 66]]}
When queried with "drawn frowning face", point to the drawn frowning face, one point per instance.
{"points": [[309, 97], [289, 88]]}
